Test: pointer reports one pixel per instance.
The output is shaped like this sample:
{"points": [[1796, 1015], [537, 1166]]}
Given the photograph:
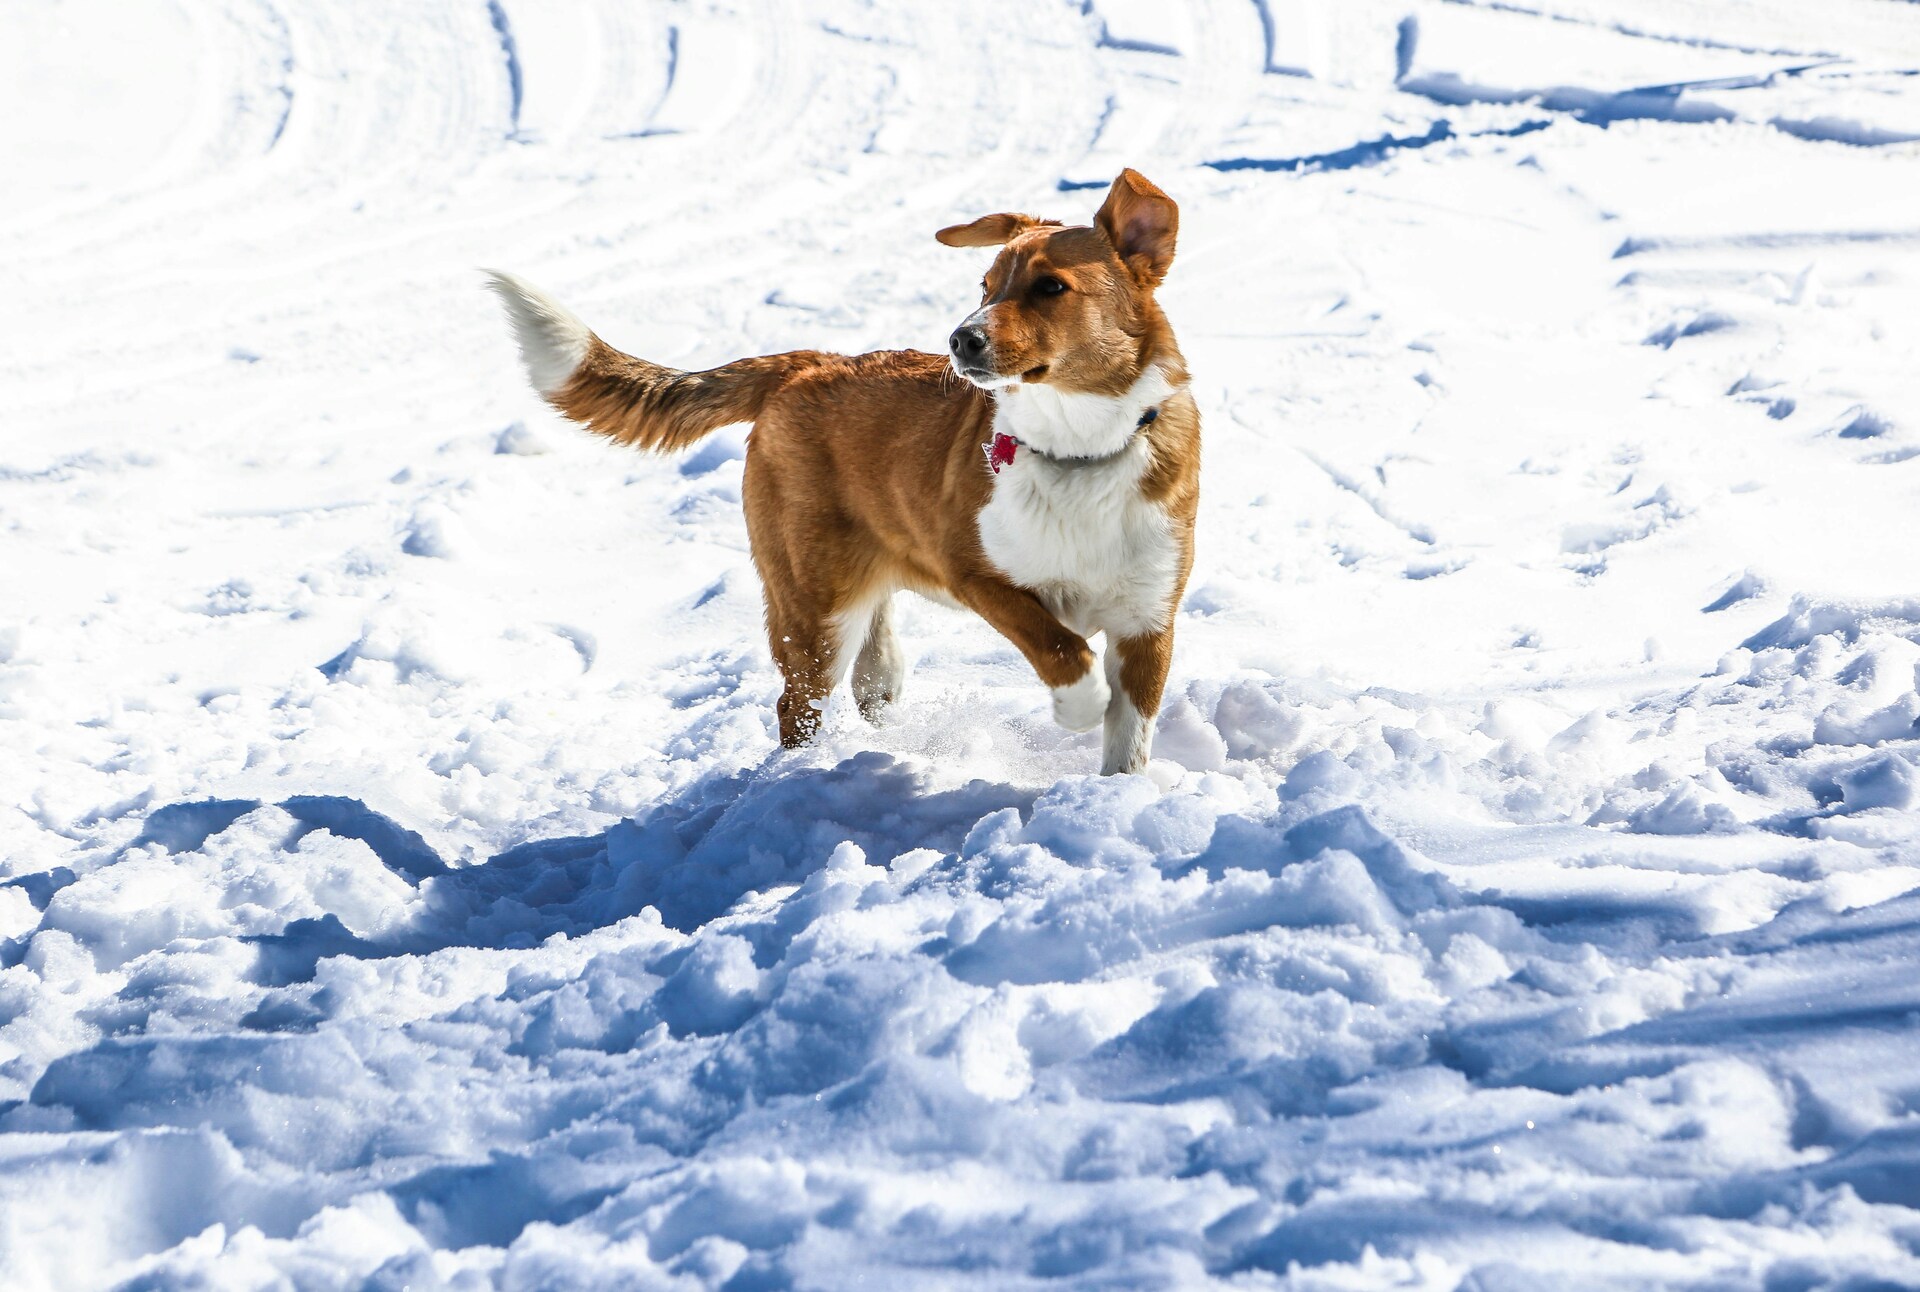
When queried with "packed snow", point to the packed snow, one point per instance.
{"points": [[400, 885]]}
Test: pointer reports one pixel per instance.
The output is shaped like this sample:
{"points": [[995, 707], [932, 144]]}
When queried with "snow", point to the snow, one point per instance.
{"points": [[399, 882]]}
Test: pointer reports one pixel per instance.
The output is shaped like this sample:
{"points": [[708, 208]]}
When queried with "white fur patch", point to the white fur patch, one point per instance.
{"points": [[1080, 535], [880, 667], [1073, 424], [552, 341], [1128, 739], [1082, 705], [850, 628]]}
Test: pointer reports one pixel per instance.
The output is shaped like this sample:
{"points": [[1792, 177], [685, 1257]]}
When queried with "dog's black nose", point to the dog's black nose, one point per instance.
{"points": [[968, 342]]}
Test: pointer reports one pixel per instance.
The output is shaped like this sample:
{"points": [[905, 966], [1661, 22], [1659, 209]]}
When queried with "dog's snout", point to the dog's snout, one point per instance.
{"points": [[968, 342]]}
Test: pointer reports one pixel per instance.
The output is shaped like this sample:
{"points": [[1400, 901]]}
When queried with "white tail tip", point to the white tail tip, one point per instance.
{"points": [[552, 341]]}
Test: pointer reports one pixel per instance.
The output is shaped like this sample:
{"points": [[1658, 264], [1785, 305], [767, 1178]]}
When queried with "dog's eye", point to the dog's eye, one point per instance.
{"points": [[1048, 285]]}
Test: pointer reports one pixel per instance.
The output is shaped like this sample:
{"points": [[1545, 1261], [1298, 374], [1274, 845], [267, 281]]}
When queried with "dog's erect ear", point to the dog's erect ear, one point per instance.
{"points": [[992, 230], [1141, 223]]}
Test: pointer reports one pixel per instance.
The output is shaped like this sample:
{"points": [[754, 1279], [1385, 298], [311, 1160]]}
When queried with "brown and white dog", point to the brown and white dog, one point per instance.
{"points": [[866, 475]]}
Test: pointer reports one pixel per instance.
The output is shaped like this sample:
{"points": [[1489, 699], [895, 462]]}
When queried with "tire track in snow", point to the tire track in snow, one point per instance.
{"points": [[1341, 480], [1636, 32], [497, 15]]}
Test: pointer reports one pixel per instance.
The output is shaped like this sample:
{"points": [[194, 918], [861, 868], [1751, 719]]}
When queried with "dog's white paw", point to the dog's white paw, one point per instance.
{"points": [[1082, 706], [1129, 738]]}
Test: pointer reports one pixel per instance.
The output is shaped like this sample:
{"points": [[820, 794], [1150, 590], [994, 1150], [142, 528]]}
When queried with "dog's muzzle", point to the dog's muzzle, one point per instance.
{"points": [[969, 346]]}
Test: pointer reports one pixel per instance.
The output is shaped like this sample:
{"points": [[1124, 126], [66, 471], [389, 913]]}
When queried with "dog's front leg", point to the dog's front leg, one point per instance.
{"points": [[1059, 655], [1137, 671]]}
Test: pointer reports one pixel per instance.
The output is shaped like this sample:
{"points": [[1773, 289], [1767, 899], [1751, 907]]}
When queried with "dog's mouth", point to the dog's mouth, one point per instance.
{"points": [[988, 379], [985, 378]]}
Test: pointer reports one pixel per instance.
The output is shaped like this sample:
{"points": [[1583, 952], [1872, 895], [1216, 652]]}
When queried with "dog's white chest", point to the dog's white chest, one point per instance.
{"points": [[1099, 555], [1080, 535]]}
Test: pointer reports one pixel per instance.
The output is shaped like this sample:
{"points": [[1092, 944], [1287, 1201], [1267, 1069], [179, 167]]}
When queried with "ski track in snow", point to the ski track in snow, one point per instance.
{"points": [[399, 886]]}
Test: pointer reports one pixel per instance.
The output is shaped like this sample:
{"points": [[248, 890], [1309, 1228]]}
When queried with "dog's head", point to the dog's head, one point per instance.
{"points": [[1071, 307]]}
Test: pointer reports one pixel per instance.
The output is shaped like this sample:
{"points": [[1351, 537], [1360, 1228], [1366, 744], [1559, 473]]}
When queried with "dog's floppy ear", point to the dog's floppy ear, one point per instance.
{"points": [[992, 230], [1141, 223]]}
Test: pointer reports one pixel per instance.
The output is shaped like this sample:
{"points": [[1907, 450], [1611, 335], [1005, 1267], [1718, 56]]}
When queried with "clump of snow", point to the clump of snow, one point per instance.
{"points": [[1888, 781], [520, 439], [434, 530]]}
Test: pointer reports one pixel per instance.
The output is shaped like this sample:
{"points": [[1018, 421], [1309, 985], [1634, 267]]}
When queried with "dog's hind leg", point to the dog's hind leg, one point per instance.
{"points": [[880, 671], [807, 652]]}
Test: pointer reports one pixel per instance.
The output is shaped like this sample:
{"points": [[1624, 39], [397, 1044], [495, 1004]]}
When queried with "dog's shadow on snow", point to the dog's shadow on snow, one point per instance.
{"points": [[691, 856]]}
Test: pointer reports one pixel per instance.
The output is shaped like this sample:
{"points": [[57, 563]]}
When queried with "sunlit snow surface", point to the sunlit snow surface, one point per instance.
{"points": [[398, 883]]}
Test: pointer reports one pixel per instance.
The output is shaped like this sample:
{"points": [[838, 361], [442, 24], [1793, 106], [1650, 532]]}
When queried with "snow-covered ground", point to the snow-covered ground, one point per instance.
{"points": [[399, 885]]}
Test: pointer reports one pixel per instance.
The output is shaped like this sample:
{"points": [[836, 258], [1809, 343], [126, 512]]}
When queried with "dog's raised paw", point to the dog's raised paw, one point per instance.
{"points": [[1082, 705]]}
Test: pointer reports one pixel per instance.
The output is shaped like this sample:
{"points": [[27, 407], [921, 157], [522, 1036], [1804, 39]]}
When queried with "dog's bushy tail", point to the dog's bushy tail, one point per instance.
{"points": [[629, 400]]}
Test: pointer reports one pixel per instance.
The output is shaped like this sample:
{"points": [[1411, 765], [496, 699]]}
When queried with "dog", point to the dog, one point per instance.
{"points": [[1052, 491]]}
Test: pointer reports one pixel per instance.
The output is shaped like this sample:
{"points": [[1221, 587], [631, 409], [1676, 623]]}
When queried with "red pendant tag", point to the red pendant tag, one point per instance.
{"points": [[1000, 452]]}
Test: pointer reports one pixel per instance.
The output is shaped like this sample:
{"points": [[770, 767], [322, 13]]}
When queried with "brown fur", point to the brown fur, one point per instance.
{"points": [[632, 401], [865, 473]]}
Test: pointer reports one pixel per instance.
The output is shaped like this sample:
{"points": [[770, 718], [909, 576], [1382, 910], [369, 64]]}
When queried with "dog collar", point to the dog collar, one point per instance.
{"points": [[1000, 452]]}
